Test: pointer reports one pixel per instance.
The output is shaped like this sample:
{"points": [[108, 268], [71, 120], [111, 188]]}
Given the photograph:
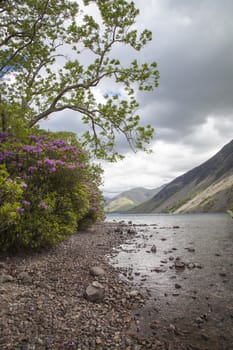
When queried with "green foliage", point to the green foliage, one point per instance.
{"points": [[45, 80], [10, 198], [51, 191]]}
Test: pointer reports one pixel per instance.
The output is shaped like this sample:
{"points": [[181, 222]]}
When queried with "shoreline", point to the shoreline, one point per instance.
{"points": [[44, 306]]}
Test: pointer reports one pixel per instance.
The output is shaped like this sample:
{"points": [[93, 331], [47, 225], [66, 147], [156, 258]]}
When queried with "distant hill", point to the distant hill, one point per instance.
{"points": [[206, 188], [129, 199]]}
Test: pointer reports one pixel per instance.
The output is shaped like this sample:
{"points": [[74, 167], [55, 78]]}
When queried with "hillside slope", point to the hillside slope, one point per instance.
{"points": [[129, 199], [206, 188]]}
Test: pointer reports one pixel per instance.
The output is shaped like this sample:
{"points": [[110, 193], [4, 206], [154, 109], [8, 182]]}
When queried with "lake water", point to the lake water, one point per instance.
{"points": [[188, 280]]}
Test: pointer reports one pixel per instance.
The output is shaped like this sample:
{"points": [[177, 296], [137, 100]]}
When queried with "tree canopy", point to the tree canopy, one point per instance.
{"points": [[54, 55]]}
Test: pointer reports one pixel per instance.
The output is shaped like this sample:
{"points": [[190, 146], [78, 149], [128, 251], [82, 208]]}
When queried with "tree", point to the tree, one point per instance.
{"points": [[35, 38]]}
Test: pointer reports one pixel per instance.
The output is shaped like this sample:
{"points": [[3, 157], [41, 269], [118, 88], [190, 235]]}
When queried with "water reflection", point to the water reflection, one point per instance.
{"points": [[203, 285]]}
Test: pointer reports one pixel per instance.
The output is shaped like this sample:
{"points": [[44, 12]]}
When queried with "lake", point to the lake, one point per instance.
{"points": [[188, 280]]}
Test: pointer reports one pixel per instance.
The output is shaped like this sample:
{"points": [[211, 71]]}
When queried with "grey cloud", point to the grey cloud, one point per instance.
{"points": [[195, 63], [193, 105]]}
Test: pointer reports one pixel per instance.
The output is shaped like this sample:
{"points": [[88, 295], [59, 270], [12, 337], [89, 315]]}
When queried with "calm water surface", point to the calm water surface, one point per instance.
{"points": [[198, 297]]}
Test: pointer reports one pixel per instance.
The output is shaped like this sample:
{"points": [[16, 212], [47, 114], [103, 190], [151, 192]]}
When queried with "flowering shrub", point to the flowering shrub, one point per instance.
{"points": [[10, 198], [57, 186]]}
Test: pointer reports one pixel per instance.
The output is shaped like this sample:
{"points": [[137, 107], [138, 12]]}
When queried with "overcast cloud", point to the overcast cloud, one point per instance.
{"points": [[192, 109]]}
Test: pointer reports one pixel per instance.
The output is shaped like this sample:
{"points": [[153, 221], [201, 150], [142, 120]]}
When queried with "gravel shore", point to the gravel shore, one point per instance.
{"points": [[46, 299], [43, 303]]}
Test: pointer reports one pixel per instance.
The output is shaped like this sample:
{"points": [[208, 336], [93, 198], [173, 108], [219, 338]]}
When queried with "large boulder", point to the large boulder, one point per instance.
{"points": [[95, 292]]}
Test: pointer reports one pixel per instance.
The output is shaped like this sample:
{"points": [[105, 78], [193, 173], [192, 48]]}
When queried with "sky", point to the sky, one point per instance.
{"points": [[192, 109]]}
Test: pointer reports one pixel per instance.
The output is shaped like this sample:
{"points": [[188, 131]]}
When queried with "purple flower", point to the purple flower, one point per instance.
{"points": [[20, 209], [38, 150], [32, 168], [49, 161], [26, 202], [44, 205], [28, 148], [60, 162]]}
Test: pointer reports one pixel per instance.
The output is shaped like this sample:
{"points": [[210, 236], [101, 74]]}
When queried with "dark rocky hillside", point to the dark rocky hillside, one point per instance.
{"points": [[208, 187]]}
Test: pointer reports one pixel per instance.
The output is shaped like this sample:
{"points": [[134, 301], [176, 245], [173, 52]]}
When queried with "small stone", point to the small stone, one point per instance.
{"points": [[191, 266], [179, 264], [163, 261], [199, 266], [191, 250], [24, 277], [97, 271], [2, 265], [177, 286], [153, 249], [222, 274], [133, 293], [98, 341], [131, 231], [205, 337], [199, 320], [6, 278]]}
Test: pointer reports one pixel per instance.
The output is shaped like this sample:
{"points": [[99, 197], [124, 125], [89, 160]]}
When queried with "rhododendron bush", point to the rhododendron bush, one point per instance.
{"points": [[47, 189]]}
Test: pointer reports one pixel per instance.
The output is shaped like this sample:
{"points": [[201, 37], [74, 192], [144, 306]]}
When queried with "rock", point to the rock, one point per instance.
{"points": [[179, 264], [191, 266], [95, 292], [222, 273], [2, 265], [153, 249], [177, 286], [131, 231], [133, 293], [191, 250], [98, 341], [6, 278], [24, 277], [199, 266], [97, 271], [163, 261], [199, 320], [159, 269]]}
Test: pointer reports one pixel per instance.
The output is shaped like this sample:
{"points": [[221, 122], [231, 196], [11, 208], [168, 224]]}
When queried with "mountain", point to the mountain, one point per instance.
{"points": [[129, 199], [206, 188]]}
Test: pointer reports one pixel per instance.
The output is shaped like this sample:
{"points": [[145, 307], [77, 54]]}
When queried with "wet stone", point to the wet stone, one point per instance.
{"points": [[153, 249]]}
